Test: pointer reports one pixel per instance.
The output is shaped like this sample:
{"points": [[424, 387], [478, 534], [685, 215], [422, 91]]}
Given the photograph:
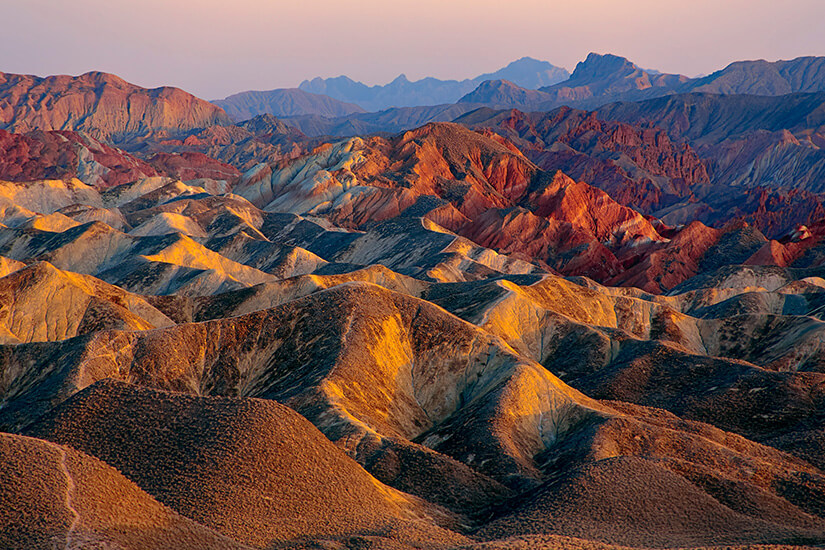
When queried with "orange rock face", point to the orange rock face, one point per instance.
{"points": [[477, 185], [103, 105], [673, 263], [480, 186], [637, 166]]}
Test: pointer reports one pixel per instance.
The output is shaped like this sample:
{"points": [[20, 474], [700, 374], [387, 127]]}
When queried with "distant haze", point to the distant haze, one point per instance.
{"points": [[214, 48]]}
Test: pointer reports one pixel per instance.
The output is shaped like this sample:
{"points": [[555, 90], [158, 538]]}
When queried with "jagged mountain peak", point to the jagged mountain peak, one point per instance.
{"points": [[599, 65], [402, 92]]}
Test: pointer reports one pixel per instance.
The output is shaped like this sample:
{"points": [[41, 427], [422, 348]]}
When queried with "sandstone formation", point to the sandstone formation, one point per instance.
{"points": [[61, 155], [637, 167], [95, 102]]}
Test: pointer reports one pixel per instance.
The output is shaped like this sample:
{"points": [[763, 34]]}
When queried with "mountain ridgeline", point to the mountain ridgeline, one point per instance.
{"points": [[401, 92], [96, 104], [532, 85]]}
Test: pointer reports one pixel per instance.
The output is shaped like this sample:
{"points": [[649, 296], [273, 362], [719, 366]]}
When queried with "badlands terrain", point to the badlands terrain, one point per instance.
{"points": [[535, 309]]}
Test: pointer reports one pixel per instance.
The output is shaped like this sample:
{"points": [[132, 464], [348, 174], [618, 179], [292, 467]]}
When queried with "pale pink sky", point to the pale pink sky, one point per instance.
{"points": [[213, 48]]}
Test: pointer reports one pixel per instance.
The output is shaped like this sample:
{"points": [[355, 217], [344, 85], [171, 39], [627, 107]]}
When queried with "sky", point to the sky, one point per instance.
{"points": [[214, 48]]}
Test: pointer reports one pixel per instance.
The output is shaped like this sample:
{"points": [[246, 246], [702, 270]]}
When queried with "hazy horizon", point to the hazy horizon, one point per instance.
{"points": [[213, 50]]}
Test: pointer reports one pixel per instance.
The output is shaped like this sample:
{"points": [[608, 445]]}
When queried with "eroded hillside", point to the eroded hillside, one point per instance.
{"points": [[400, 341]]}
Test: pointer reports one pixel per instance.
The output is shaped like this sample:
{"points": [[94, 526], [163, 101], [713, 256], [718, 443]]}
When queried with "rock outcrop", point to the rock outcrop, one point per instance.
{"points": [[637, 166]]}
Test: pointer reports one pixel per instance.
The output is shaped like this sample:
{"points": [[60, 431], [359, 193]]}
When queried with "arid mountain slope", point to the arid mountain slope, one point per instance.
{"points": [[763, 154], [642, 167], [428, 340], [344, 323], [470, 189], [55, 496], [42, 303], [376, 376], [243, 146], [603, 78], [396, 119], [803, 74], [503, 93], [65, 155], [95, 102], [710, 119], [482, 188], [262, 474], [478, 186]]}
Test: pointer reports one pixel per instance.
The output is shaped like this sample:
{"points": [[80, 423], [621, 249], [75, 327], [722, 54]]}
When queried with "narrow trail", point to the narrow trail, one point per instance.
{"points": [[67, 500]]}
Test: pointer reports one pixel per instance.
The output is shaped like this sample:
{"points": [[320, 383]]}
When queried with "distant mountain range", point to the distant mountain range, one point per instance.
{"points": [[767, 141], [603, 79], [389, 120], [803, 74], [401, 92], [602, 76], [526, 84]]}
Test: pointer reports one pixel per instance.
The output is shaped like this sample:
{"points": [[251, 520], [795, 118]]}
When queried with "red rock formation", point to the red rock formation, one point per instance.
{"points": [[62, 155], [772, 253], [103, 105], [637, 166], [748, 142], [478, 185], [779, 212], [58, 155], [673, 263]]}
